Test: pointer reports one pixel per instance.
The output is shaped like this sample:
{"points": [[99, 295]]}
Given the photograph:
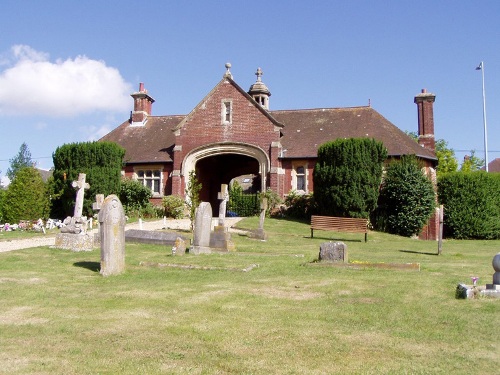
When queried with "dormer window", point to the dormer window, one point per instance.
{"points": [[227, 111]]}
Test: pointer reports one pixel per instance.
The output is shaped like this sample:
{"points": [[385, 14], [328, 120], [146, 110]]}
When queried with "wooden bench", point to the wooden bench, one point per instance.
{"points": [[339, 224]]}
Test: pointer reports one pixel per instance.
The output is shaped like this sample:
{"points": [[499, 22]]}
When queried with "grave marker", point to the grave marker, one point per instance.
{"points": [[112, 224]]}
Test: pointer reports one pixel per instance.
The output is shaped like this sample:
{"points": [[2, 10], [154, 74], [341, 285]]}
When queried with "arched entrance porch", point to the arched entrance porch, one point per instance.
{"points": [[217, 164]]}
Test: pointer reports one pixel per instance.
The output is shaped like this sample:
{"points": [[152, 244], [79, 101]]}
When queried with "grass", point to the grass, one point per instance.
{"points": [[288, 316]]}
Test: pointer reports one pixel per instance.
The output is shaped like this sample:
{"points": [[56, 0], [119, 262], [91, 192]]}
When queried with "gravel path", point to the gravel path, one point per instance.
{"points": [[179, 224]]}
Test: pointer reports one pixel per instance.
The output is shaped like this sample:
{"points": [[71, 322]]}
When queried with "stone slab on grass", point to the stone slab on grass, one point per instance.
{"points": [[152, 237]]}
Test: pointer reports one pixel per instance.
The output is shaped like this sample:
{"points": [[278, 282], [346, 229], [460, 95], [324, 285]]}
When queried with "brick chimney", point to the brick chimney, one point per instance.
{"points": [[142, 106], [425, 107]]}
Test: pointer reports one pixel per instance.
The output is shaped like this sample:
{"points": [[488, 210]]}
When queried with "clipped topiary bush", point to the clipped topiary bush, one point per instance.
{"points": [[471, 204], [347, 177], [407, 198]]}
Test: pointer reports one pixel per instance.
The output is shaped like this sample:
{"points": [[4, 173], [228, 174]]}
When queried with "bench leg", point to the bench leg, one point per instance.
{"points": [[366, 237], [311, 233]]}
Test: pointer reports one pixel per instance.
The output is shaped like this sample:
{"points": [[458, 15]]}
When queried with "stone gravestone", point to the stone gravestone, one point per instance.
{"points": [[202, 226], [74, 234], [179, 247], [96, 207], [220, 239], [112, 232], [333, 252], [260, 233], [496, 276]]}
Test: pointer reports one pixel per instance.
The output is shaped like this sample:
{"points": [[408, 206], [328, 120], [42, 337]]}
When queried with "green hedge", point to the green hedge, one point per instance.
{"points": [[471, 204]]}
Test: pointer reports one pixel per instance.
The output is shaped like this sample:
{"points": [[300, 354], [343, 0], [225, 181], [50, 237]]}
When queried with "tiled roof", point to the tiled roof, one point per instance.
{"points": [[494, 165], [306, 129], [150, 143]]}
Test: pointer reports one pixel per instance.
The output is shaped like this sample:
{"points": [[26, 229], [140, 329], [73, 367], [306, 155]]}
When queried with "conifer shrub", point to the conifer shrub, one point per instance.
{"points": [[407, 198], [100, 161], [471, 204], [347, 177], [26, 197]]}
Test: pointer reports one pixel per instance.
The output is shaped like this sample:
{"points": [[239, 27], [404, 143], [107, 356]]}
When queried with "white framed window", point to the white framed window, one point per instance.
{"points": [[299, 177], [151, 178], [227, 111]]}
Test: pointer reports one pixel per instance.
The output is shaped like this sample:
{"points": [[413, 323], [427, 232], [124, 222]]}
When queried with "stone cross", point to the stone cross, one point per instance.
{"points": [[223, 196], [80, 185], [99, 200]]}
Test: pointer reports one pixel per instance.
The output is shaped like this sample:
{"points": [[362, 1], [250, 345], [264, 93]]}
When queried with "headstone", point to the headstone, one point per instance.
{"points": [[333, 252], [112, 223], [496, 276], [96, 207], [74, 234], [202, 226], [179, 247], [260, 233], [223, 196], [80, 187]]}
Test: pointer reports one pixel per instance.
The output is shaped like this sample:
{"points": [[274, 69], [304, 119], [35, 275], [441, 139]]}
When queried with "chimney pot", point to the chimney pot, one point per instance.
{"points": [[141, 87], [424, 91]]}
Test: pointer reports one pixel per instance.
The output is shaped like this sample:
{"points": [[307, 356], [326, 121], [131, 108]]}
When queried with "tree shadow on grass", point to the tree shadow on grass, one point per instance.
{"points": [[92, 266], [417, 252]]}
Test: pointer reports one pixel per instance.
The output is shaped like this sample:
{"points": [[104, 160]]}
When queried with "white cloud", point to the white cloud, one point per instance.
{"points": [[33, 85], [94, 133]]}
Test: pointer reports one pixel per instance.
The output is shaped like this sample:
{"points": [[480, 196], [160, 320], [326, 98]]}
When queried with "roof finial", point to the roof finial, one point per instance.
{"points": [[259, 74], [228, 72]]}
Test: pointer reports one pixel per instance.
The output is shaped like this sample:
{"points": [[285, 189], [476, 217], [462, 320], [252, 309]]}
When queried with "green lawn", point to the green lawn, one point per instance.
{"points": [[289, 315]]}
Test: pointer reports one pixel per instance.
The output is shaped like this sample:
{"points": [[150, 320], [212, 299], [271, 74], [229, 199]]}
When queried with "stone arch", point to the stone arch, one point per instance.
{"points": [[215, 149]]}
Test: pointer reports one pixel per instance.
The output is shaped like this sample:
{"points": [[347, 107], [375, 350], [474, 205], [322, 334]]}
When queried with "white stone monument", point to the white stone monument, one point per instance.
{"points": [[112, 232]]}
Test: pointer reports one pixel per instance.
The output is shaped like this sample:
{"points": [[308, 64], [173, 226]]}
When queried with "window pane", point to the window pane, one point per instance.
{"points": [[156, 186], [301, 183]]}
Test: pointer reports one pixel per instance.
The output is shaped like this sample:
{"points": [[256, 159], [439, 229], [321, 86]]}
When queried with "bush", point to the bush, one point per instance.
{"points": [[26, 197], [134, 197], [407, 199], [299, 206], [347, 177], [173, 206], [471, 204], [100, 161]]}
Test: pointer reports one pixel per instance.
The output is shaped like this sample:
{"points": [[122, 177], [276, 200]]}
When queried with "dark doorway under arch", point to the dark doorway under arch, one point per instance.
{"points": [[215, 170]]}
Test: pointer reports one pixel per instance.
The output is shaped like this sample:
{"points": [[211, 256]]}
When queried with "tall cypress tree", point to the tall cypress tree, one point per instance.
{"points": [[100, 161], [347, 176]]}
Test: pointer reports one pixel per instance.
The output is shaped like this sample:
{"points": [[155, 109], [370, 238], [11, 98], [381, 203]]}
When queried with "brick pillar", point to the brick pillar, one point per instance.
{"points": [[425, 107]]}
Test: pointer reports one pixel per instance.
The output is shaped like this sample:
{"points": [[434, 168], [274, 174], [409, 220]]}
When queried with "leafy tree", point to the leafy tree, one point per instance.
{"points": [[447, 162], [347, 177], [193, 196], [2, 196], [21, 160], [134, 196], [472, 163], [100, 161], [26, 197], [407, 198]]}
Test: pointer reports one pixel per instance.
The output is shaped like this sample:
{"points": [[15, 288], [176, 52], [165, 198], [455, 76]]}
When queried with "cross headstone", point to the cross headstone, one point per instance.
{"points": [[112, 233], [80, 185], [223, 196]]}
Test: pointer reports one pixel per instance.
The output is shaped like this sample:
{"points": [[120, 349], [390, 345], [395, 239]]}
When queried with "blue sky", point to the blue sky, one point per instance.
{"points": [[67, 68]]}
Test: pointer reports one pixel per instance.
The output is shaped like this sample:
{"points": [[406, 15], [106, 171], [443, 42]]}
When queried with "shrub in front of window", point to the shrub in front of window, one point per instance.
{"points": [[347, 177], [134, 197], [471, 204], [407, 199], [173, 206], [299, 206]]}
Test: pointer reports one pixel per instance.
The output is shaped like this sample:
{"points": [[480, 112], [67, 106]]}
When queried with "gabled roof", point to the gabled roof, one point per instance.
{"points": [[306, 129], [243, 92], [151, 143]]}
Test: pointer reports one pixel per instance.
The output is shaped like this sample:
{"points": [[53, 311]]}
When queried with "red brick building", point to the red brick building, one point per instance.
{"points": [[233, 132]]}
